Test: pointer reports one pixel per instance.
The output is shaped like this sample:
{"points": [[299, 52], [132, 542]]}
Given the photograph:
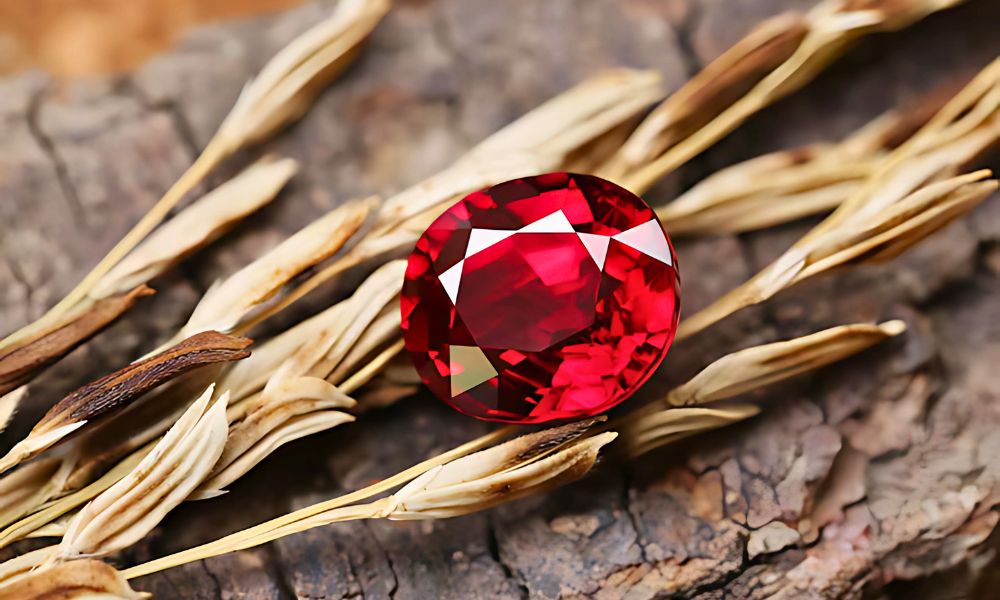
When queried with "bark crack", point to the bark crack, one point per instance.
{"points": [[48, 148], [493, 545], [388, 559]]}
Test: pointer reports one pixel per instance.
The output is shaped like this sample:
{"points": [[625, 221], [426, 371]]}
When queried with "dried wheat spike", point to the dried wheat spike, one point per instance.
{"points": [[778, 57], [126, 511], [278, 96], [198, 224], [783, 186], [81, 579]]}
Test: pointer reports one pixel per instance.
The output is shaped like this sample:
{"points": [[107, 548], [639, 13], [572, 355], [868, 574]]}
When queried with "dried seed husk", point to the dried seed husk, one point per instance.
{"points": [[29, 486], [59, 507], [469, 478], [289, 83], [115, 391], [663, 427], [19, 566], [21, 361], [9, 403], [783, 186], [280, 94], [175, 466], [873, 239], [86, 578], [198, 224], [540, 141], [755, 367], [229, 302], [717, 101]]}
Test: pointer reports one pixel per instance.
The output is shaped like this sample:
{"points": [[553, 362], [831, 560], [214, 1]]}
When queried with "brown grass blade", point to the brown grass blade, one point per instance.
{"points": [[21, 361], [117, 390], [89, 578], [777, 58], [756, 367], [163, 479], [198, 224]]}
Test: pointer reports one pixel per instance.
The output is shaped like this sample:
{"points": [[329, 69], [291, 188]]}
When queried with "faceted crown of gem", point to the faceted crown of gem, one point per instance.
{"points": [[543, 298]]}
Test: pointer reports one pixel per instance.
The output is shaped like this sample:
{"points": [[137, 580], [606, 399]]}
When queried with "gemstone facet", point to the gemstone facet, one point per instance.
{"points": [[543, 298]]}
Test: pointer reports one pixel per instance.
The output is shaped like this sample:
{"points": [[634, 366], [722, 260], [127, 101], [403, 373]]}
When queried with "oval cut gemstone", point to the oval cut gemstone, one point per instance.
{"points": [[543, 298]]}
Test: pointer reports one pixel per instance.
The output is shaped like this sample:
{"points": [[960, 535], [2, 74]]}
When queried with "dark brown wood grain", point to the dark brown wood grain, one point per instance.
{"points": [[874, 478]]}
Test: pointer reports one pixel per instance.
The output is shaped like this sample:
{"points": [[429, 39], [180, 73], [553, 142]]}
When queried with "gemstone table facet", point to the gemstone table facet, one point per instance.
{"points": [[543, 298]]}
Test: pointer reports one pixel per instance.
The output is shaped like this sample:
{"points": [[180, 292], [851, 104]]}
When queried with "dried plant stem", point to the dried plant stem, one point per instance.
{"points": [[235, 541], [779, 57], [282, 92]]}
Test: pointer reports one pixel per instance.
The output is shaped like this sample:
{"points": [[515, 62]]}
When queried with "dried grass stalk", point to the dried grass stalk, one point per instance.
{"points": [[163, 479], [55, 509], [300, 397], [30, 486], [542, 140], [89, 578], [465, 483], [664, 427], [21, 361], [787, 185], [198, 224], [117, 390], [279, 95], [755, 367], [961, 130], [877, 238], [229, 302], [778, 57]]}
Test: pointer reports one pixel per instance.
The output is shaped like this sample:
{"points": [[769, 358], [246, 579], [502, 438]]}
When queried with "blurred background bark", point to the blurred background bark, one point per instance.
{"points": [[104, 103]]}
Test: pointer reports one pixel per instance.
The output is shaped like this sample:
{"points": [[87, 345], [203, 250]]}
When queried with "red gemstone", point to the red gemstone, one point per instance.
{"points": [[549, 297]]}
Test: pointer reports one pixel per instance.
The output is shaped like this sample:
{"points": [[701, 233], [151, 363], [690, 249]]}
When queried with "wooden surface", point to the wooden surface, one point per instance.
{"points": [[907, 436]]}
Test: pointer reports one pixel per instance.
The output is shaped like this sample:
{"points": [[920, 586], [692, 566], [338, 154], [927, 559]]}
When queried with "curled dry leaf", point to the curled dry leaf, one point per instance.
{"points": [[755, 367], [787, 185], [87, 578], [126, 511], [659, 428], [280, 94], [777, 58], [21, 361], [228, 303], [198, 224], [117, 390]]}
